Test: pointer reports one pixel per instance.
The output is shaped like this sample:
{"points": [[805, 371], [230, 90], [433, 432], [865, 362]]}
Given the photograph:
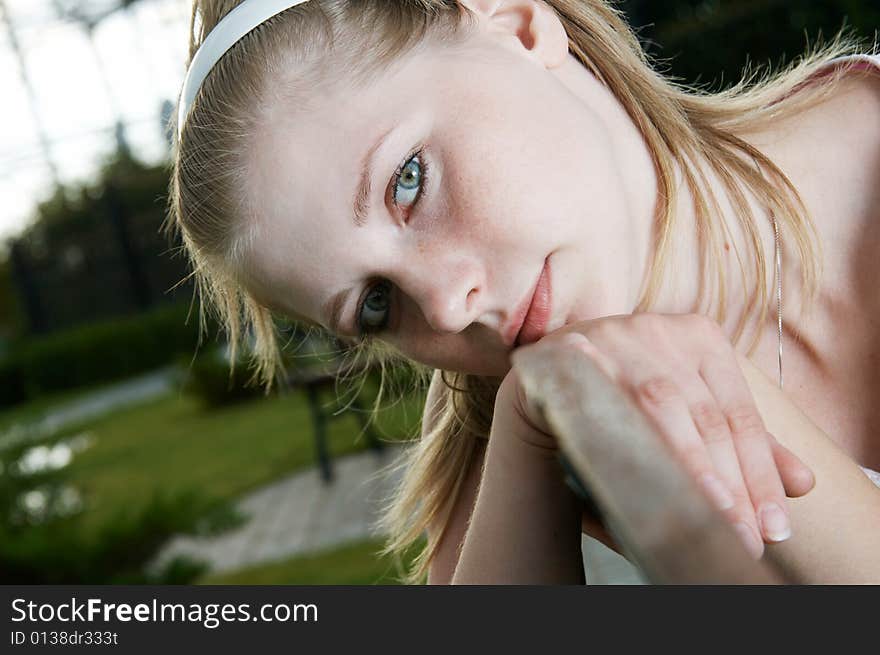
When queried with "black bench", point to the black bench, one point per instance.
{"points": [[316, 380]]}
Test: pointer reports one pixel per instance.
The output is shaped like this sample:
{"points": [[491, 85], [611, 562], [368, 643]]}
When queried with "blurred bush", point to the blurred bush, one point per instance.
{"points": [[62, 551], [96, 353], [45, 538], [209, 378]]}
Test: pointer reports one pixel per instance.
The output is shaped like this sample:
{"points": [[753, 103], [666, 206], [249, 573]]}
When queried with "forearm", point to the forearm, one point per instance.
{"points": [[525, 526], [836, 526]]}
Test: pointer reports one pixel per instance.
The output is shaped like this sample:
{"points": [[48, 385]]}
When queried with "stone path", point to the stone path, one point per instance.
{"points": [[300, 515]]}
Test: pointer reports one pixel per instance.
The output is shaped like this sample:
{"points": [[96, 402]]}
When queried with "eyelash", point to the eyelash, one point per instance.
{"points": [[420, 154], [364, 332]]}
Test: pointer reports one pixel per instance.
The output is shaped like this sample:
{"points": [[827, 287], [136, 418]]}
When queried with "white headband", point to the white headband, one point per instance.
{"points": [[237, 24]]}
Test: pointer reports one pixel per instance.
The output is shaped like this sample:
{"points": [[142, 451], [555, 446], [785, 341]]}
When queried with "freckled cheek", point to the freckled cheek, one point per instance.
{"points": [[464, 193]]}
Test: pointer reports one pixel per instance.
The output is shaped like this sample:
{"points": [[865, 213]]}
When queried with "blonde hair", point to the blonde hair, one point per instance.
{"points": [[680, 124]]}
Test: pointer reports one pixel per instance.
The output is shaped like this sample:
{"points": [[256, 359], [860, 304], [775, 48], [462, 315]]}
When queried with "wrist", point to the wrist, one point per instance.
{"points": [[510, 420]]}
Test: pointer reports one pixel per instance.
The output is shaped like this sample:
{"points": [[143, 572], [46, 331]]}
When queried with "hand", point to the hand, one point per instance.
{"points": [[682, 371]]}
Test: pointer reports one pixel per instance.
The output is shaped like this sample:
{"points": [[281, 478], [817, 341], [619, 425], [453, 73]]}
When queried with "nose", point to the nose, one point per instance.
{"points": [[449, 291]]}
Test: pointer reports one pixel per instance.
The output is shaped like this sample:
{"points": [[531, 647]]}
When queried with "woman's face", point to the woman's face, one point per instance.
{"points": [[504, 167]]}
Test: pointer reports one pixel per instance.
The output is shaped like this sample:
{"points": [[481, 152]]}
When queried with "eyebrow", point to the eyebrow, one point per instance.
{"points": [[361, 207]]}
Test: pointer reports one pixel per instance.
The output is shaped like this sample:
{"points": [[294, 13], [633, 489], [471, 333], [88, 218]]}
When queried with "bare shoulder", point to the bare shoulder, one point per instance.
{"points": [[843, 132], [849, 118], [831, 154], [858, 92], [854, 112]]}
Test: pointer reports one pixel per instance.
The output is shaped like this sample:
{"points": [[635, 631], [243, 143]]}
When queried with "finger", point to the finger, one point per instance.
{"points": [[714, 430], [756, 459], [679, 431], [797, 478], [665, 406], [717, 468]]}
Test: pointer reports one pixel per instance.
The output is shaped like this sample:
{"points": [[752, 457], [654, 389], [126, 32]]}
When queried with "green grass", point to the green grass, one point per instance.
{"points": [[353, 564], [174, 444]]}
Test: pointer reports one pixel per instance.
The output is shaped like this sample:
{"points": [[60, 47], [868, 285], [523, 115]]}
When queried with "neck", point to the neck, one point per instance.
{"points": [[679, 292]]}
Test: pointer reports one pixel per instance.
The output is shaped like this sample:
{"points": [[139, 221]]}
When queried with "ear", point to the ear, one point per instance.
{"points": [[535, 25]]}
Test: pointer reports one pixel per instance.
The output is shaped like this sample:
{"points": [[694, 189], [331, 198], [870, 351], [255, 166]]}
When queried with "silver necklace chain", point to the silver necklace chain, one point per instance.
{"points": [[778, 291], [778, 280]]}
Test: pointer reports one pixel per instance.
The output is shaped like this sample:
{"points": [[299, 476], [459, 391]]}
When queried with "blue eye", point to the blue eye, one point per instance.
{"points": [[409, 181], [374, 311]]}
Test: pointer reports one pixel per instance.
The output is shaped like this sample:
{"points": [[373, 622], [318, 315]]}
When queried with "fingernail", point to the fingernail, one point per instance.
{"points": [[749, 539], [774, 522], [718, 492]]}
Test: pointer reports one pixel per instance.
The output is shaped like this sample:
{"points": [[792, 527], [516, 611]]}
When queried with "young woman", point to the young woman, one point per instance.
{"points": [[446, 181]]}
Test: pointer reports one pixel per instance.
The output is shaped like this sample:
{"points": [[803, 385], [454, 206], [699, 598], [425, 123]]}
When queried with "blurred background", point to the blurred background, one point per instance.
{"points": [[126, 452]]}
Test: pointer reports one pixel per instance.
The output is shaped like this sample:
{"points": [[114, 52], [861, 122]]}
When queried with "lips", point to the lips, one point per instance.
{"points": [[529, 323]]}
